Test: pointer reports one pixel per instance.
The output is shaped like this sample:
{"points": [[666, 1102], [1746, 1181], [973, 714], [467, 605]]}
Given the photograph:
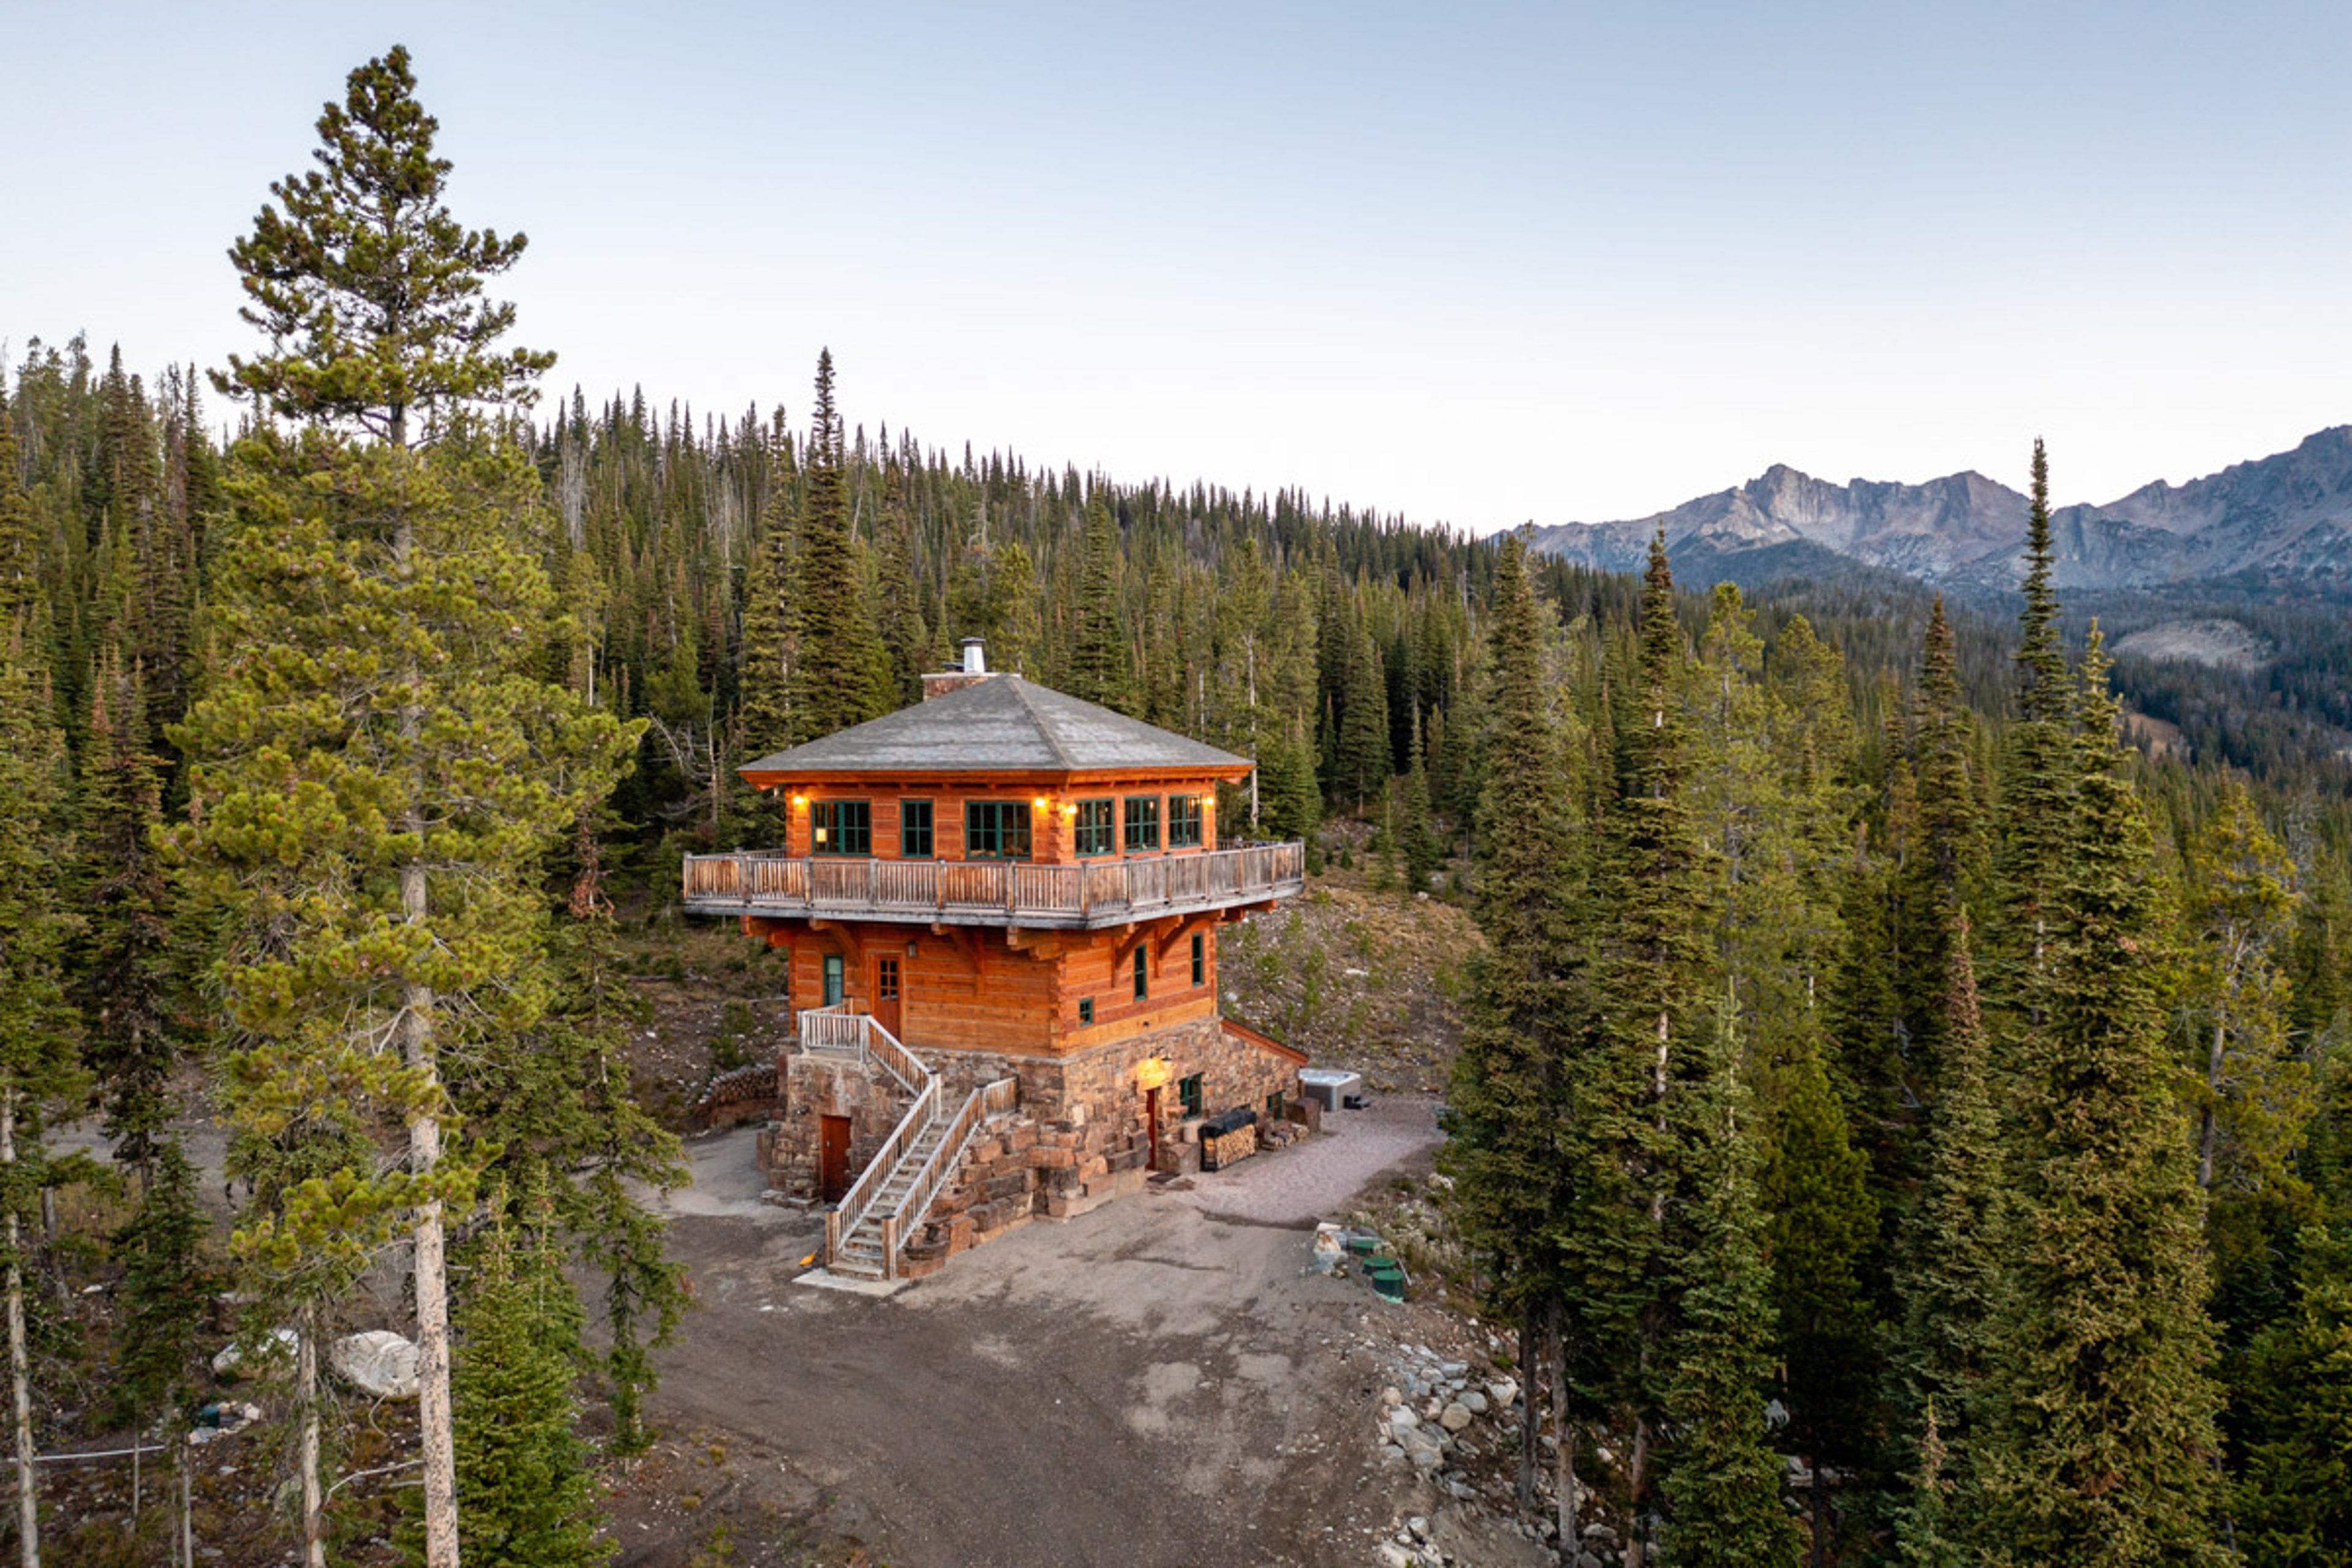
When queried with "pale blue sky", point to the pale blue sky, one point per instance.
{"points": [[1477, 264]]}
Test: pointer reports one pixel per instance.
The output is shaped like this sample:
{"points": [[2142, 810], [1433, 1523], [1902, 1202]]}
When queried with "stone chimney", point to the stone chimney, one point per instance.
{"points": [[938, 683]]}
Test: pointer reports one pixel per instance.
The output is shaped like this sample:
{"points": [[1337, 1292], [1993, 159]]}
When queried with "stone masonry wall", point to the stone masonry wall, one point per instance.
{"points": [[816, 1087]]}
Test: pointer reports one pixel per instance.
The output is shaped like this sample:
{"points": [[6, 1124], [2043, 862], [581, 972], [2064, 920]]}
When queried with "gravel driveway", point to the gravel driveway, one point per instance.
{"points": [[1315, 1179]]}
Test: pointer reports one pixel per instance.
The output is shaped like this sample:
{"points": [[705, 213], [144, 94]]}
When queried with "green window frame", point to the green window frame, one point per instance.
{"points": [[1085, 1010], [1142, 814], [1096, 832], [835, 975], [996, 830], [1200, 958], [1274, 1106], [914, 830], [1189, 1090], [1142, 972], [1183, 822], [841, 827]]}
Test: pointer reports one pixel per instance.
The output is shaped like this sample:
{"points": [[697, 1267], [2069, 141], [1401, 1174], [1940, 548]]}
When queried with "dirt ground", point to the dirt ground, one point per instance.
{"points": [[1126, 1388]]}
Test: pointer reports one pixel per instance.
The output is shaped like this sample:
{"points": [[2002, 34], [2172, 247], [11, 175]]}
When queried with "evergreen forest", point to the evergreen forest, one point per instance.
{"points": [[1874, 1058]]}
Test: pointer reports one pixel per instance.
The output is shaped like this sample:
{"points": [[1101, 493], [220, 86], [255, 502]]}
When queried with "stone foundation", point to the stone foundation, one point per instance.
{"points": [[819, 1086], [1079, 1139]]}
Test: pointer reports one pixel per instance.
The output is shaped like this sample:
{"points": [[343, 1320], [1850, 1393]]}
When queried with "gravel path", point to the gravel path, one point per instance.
{"points": [[1316, 1180]]}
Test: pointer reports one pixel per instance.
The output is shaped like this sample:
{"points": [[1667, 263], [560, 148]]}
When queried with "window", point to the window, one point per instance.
{"points": [[1189, 1092], [1142, 972], [1274, 1106], [914, 829], [1142, 823], [832, 979], [885, 980], [1094, 827], [996, 830], [843, 827], [1199, 959], [1183, 822], [1085, 1010]]}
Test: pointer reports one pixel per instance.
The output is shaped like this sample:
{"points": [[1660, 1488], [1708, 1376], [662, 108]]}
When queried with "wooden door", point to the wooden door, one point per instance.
{"points": [[1151, 1129], [832, 1158], [885, 994]]}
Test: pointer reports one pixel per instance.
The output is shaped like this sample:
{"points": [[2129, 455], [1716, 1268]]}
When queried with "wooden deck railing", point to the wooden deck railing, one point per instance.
{"points": [[868, 1188], [1015, 890]]}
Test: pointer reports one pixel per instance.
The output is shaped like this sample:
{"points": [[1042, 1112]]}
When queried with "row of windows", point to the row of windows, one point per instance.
{"points": [[1000, 829]]}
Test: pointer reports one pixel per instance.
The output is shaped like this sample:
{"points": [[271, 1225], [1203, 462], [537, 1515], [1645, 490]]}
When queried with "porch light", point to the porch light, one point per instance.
{"points": [[1043, 804], [800, 803]]}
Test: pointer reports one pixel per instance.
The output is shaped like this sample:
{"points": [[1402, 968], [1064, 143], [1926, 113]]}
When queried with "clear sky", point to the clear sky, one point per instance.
{"points": [[1478, 264]]}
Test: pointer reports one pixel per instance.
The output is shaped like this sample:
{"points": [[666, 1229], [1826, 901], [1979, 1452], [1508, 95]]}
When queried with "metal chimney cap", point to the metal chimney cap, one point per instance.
{"points": [[975, 655]]}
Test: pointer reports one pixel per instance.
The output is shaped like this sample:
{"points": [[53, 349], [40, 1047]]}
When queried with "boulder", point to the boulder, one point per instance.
{"points": [[378, 1362], [1454, 1417]]}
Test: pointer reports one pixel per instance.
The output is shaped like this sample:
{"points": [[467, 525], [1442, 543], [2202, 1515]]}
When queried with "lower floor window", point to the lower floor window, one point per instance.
{"points": [[1188, 1090]]}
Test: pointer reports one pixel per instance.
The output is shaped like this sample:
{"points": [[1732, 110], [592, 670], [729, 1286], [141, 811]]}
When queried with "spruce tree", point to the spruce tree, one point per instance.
{"points": [[2098, 1443], [1510, 1085], [125, 976], [1097, 667], [166, 1295], [1722, 1481], [1361, 758], [2293, 1503], [376, 767], [839, 675], [522, 1471], [39, 1070], [1950, 1277]]}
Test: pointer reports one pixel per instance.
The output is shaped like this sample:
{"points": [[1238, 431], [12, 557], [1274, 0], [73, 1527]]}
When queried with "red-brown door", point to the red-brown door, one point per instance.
{"points": [[1151, 1129], [832, 1158], [885, 994]]}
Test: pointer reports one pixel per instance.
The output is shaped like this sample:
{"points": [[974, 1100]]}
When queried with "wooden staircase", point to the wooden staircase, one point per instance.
{"points": [[880, 1212]]}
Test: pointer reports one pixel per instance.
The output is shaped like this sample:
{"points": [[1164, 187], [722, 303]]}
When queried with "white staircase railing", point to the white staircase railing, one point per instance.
{"points": [[946, 1158]]}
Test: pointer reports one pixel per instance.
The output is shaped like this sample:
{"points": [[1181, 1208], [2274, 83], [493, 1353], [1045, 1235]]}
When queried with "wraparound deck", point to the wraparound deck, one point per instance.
{"points": [[993, 892]]}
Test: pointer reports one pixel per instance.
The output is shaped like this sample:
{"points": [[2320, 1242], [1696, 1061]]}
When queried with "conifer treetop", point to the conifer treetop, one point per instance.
{"points": [[370, 293]]}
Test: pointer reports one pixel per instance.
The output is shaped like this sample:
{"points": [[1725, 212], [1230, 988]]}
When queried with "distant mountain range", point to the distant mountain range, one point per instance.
{"points": [[2282, 522]]}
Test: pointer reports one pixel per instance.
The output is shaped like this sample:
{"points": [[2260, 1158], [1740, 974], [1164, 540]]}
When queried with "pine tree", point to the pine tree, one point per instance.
{"points": [[37, 1066], [376, 769], [1823, 1222], [125, 977], [166, 1293], [1510, 1088], [1722, 1481], [838, 673], [765, 724], [2294, 1502], [522, 1473], [1951, 1267], [2099, 1444], [1097, 667], [1361, 757]]}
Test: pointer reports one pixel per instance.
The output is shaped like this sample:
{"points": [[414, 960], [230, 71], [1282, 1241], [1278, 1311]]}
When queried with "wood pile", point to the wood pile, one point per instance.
{"points": [[1227, 1138]]}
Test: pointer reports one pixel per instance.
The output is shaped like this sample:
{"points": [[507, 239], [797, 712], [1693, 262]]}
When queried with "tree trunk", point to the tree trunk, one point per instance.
{"points": [[1565, 1500], [1530, 1378], [20, 1375], [2209, 1131], [307, 1456], [1822, 1517], [435, 1436], [1637, 1529]]}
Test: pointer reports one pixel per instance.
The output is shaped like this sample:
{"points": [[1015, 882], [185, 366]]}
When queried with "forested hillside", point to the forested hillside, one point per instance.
{"points": [[1863, 1033]]}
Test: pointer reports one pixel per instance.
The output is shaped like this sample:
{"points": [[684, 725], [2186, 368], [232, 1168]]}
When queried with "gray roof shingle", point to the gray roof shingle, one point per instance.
{"points": [[1001, 724]]}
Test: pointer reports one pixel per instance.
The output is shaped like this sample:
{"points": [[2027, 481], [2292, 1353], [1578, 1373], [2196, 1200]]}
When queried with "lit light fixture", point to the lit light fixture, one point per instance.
{"points": [[1042, 802], [800, 803], [1069, 808]]}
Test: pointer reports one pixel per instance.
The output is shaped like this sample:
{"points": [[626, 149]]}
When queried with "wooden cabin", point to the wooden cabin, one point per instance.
{"points": [[1002, 906]]}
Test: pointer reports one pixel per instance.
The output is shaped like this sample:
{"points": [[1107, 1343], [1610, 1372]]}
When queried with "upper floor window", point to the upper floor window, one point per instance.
{"points": [[842, 827], [1183, 822], [1093, 833], [915, 829], [1142, 823], [1142, 972], [996, 830], [1199, 959]]}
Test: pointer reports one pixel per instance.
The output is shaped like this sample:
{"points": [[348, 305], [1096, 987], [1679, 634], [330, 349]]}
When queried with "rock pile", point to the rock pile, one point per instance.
{"points": [[1431, 1416]]}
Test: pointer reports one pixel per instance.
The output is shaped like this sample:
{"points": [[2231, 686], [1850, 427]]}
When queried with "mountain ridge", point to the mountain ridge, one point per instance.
{"points": [[2283, 521]]}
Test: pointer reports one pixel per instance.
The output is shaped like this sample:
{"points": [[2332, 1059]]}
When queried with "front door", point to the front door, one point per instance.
{"points": [[832, 1158], [1151, 1129], [885, 994]]}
